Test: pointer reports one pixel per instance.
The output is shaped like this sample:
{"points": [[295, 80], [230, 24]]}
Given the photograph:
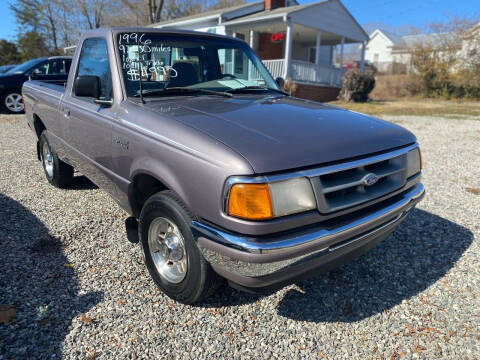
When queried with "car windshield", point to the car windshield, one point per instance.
{"points": [[162, 61], [19, 69]]}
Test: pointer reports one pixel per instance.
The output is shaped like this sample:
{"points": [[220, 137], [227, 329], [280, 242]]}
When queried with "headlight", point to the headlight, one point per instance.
{"points": [[414, 162], [268, 200]]}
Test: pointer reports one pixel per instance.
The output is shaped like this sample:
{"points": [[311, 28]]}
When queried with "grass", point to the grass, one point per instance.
{"points": [[416, 107]]}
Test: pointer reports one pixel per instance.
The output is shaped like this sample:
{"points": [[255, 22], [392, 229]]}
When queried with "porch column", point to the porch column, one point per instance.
{"points": [[317, 55], [362, 60], [317, 48], [250, 65], [288, 50], [341, 57]]}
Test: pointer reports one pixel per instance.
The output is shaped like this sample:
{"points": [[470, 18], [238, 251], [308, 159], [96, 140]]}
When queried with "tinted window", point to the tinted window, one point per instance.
{"points": [[94, 61], [25, 66], [41, 69], [59, 66]]}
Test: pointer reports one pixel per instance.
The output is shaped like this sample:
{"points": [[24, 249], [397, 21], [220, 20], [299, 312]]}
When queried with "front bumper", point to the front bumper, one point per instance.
{"points": [[271, 261]]}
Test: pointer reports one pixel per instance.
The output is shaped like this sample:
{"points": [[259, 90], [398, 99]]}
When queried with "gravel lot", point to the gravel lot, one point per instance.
{"points": [[80, 290]]}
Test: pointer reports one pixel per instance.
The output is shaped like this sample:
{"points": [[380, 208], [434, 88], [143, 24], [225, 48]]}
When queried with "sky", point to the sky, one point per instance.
{"points": [[389, 13]]}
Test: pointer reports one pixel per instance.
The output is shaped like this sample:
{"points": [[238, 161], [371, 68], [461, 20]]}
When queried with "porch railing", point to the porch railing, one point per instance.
{"points": [[306, 71], [275, 67]]}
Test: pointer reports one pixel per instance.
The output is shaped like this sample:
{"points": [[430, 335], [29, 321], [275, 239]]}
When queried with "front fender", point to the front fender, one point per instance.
{"points": [[160, 171]]}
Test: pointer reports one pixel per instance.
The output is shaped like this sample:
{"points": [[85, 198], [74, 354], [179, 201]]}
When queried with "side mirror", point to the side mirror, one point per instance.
{"points": [[89, 86], [280, 82], [35, 74]]}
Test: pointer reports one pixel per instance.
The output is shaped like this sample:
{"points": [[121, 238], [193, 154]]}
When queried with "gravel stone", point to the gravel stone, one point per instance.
{"points": [[80, 289]]}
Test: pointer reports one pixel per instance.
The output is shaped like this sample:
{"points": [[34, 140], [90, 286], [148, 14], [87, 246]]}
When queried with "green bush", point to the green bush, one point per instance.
{"points": [[356, 86]]}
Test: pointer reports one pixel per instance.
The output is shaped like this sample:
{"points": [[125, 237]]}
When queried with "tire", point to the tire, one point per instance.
{"points": [[12, 102], [164, 230], [57, 172]]}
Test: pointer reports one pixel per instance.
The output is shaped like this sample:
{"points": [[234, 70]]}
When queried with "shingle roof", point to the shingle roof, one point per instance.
{"points": [[413, 40], [394, 38], [218, 12], [434, 40], [277, 11]]}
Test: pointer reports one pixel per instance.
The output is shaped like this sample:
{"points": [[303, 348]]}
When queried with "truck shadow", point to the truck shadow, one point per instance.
{"points": [[38, 286], [81, 182], [422, 249]]}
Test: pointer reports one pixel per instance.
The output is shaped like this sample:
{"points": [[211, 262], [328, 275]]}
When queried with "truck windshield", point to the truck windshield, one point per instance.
{"points": [[163, 61]]}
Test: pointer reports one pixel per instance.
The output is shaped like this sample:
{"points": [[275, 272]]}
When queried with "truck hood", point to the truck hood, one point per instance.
{"points": [[278, 133]]}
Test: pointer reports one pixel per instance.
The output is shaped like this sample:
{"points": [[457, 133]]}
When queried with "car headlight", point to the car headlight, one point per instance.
{"points": [[260, 201], [414, 162]]}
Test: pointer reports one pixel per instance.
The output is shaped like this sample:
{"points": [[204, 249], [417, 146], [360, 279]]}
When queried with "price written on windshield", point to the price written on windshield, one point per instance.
{"points": [[140, 62]]}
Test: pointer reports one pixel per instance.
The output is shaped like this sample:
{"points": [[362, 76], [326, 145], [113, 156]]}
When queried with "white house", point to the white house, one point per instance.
{"points": [[294, 41], [385, 48], [470, 50]]}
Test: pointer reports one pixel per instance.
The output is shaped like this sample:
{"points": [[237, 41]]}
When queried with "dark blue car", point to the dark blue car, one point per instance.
{"points": [[53, 69]]}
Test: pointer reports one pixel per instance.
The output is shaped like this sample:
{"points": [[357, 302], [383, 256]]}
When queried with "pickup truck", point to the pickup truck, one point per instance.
{"points": [[224, 175]]}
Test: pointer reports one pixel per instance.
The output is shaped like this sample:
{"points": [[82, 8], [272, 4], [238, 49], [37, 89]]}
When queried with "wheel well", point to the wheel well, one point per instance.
{"points": [[39, 126], [142, 187]]}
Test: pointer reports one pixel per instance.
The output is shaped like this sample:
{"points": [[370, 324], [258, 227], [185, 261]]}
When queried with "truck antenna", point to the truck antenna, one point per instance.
{"points": [[140, 72]]}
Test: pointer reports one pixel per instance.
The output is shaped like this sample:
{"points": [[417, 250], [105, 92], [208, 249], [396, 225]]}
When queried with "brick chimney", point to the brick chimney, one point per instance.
{"points": [[273, 4]]}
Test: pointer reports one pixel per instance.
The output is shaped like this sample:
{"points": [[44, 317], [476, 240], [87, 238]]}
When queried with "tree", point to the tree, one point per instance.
{"points": [[38, 16], [32, 45], [8, 53]]}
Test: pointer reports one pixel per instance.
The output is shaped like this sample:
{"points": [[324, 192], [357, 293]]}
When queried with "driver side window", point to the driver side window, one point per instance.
{"points": [[41, 69], [94, 62]]}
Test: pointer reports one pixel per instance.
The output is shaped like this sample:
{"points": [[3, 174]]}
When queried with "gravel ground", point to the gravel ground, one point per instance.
{"points": [[79, 289]]}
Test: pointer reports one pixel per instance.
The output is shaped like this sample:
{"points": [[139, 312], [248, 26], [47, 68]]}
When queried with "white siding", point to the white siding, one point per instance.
{"points": [[379, 48], [212, 29]]}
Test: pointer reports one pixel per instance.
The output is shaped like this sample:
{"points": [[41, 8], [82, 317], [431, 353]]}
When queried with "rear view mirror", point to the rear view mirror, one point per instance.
{"points": [[87, 85]]}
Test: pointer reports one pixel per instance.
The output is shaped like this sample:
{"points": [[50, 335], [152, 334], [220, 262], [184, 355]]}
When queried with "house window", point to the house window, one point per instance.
{"points": [[375, 58]]}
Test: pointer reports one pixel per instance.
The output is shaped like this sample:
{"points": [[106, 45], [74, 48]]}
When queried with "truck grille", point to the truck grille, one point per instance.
{"points": [[344, 188]]}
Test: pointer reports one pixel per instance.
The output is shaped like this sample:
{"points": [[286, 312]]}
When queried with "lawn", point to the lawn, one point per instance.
{"points": [[416, 107]]}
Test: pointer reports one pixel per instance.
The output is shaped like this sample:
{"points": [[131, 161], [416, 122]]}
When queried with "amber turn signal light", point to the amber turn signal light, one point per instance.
{"points": [[250, 201]]}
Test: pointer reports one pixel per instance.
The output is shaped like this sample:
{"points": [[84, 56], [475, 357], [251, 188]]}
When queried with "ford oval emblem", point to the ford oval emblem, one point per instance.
{"points": [[370, 179]]}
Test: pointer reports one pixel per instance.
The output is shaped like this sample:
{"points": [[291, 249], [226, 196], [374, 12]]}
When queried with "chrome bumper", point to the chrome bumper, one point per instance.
{"points": [[239, 256]]}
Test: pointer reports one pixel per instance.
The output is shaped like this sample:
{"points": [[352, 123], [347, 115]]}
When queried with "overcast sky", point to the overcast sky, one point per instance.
{"points": [[389, 13]]}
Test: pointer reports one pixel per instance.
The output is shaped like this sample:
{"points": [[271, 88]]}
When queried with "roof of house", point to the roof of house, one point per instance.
{"points": [[400, 42], [275, 12], [211, 13], [255, 11], [289, 10], [475, 30], [394, 38]]}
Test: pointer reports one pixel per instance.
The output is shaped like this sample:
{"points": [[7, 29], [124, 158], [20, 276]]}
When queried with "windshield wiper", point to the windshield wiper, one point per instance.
{"points": [[256, 88], [181, 91]]}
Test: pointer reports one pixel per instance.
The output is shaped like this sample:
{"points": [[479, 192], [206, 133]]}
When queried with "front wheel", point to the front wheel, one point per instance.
{"points": [[12, 102], [169, 250]]}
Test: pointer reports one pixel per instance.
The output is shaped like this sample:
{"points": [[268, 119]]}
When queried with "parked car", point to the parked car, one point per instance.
{"points": [[224, 175], [369, 66], [5, 68], [53, 69]]}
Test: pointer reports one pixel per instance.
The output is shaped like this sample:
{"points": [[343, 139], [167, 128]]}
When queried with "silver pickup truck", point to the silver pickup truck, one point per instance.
{"points": [[225, 176]]}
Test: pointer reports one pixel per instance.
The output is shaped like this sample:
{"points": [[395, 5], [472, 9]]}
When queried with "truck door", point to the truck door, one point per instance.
{"points": [[88, 124]]}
